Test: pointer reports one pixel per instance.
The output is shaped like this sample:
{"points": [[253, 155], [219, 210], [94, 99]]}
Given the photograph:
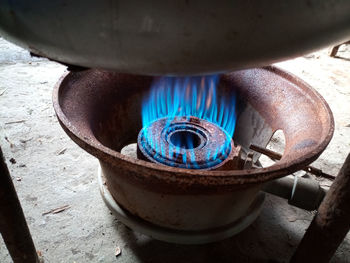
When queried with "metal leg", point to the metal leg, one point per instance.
{"points": [[13, 226], [331, 223], [334, 51]]}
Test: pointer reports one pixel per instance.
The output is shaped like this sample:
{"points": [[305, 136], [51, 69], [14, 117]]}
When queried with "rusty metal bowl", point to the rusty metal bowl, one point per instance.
{"points": [[101, 112], [174, 37]]}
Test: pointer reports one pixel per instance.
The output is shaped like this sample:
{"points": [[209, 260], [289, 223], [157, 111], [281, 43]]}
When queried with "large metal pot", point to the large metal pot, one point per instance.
{"points": [[173, 37]]}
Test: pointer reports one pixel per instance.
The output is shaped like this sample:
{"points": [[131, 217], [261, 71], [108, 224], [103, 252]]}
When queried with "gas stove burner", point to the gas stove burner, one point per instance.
{"points": [[185, 142], [169, 197]]}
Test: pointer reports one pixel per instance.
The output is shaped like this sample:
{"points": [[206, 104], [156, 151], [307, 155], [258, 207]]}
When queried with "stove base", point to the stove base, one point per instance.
{"points": [[179, 236]]}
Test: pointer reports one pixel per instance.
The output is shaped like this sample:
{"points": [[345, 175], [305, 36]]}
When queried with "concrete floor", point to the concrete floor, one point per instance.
{"points": [[51, 171]]}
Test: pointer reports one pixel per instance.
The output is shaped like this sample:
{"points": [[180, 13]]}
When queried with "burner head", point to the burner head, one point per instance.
{"points": [[185, 142]]}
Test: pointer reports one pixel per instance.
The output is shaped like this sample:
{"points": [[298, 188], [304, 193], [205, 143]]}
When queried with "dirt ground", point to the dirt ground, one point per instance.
{"points": [[50, 171]]}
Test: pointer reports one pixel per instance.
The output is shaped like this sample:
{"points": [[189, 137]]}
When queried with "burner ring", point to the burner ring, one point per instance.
{"points": [[185, 142], [178, 131]]}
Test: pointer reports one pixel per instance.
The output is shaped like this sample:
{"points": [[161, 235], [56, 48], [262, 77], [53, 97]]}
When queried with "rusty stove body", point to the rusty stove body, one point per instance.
{"points": [[153, 191]]}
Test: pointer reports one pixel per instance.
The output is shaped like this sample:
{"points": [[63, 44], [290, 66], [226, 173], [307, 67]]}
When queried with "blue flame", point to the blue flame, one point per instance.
{"points": [[195, 96]]}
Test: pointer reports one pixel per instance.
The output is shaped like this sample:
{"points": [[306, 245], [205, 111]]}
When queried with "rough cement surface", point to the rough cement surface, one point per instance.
{"points": [[51, 171]]}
